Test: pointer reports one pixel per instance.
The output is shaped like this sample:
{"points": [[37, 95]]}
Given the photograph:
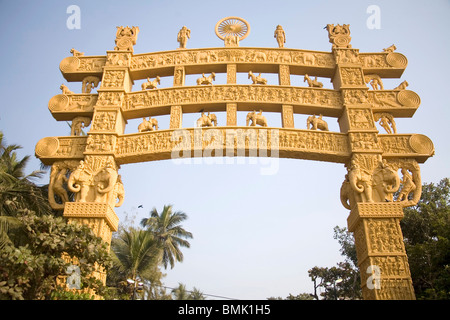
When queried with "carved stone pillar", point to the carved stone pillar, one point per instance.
{"points": [[284, 75], [179, 76], [369, 186], [231, 73], [287, 116], [381, 253], [231, 114], [176, 117]]}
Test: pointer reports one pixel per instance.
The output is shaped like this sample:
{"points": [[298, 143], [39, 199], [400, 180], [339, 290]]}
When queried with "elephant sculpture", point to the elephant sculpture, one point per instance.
{"points": [[256, 118], [207, 120], [347, 194], [105, 182], [360, 181], [365, 186], [80, 183], [316, 123], [150, 125], [385, 182]]}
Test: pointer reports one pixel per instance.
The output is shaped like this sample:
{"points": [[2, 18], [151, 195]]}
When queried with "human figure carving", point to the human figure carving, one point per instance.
{"points": [[183, 35], [150, 125], [375, 81], [89, 83], [119, 193], [314, 123], [280, 36], [256, 118], [408, 185], [151, 84], [58, 180], [256, 79], [77, 124], [206, 80], [312, 83]]}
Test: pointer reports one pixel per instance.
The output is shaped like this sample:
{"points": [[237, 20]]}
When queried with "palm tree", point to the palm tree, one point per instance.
{"points": [[196, 294], [180, 292], [166, 228], [136, 255], [11, 165], [17, 191]]}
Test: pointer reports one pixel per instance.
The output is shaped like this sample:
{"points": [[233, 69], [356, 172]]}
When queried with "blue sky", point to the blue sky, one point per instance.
{"points": [[255, 236]]}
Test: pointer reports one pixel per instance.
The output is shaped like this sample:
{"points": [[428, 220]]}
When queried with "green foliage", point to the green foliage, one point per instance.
{"points": [[339, 282], [31, 271], [166, 229], [426, 230], [300, 296], [36, 246], [138, 254]]}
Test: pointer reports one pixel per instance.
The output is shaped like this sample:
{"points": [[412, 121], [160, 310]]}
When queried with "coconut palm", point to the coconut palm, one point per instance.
{"points": [[17, 191], [180, 292], [196, 294], [166, 228], [136, 254]]}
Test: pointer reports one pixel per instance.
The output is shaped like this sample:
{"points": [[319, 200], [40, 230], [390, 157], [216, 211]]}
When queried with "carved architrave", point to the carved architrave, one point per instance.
{"points": [[325, 98]]}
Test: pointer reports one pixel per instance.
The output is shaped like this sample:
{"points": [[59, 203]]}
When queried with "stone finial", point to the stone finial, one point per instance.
{"points": [[339, 35], [126, 38]]}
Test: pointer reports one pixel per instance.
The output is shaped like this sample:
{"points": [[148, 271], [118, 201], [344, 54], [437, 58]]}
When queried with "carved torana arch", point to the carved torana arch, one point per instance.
{"points": [[378, 163]]}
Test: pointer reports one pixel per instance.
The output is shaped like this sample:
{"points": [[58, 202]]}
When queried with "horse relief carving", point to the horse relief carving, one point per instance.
{"points": [[256, 79], [312, 83], [206, 80], [207, 120], [151, 84]]}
